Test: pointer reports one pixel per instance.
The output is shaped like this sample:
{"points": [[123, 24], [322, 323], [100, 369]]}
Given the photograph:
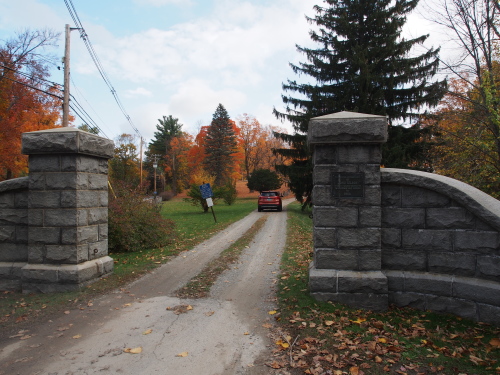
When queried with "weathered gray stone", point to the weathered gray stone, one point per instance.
{"points": [[346, 127], [476, 241], [391, 195], [35, 217], [44, 163], [391, 238], [44, 199], [68, 199], [37, 181], [103, 232], [368, 301], [41, 273], [42, 235], [87, 234], [488, 266], [370, 216], [359, 238], [98, 249], [322, 280], [449, 218], [482, 291], [404, 260], [394, 217], [426, 239], [13, 185], [82, 217], [463, 308], [88, 198], [7, 200], [335, 216], [322, 174], [61, 254], [323, 237], [371, 172], [21, 199], [12, 216], [413, 300], [369, 260], [7, 234], [361, 282], [61, 217], [358, 154], [325, 155], [456, 263], [336, 259], [36, 253], [413, 196], [97, 215], [21, 234], [489, 314], [13, 252], [98, 181], [395, 280], [61, 181], [429, 283]]}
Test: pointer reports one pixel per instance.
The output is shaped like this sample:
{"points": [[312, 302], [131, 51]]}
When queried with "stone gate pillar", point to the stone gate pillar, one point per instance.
{"points": [[346, 268], [67, 209]]}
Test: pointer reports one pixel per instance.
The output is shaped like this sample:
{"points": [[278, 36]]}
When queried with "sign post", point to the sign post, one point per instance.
{"points": [[207, 194]]}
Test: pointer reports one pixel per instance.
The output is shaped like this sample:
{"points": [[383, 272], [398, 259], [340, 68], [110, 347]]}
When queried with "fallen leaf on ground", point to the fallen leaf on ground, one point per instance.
{"points": [[358, 320], [183, 354], [329, 322], [354, 370], [272, 312], [133, 350], [147, 332], [210, 313], [495, 342], [77, 336]]}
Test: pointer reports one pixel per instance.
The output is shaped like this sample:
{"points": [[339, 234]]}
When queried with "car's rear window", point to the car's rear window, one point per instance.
{"points": [[269, 194]]}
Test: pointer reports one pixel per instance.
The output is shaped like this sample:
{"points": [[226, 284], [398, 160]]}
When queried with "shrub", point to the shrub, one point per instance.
{"points": [[264, 179], [229, 193], [136, 223], [166, 195], [195, 198]]}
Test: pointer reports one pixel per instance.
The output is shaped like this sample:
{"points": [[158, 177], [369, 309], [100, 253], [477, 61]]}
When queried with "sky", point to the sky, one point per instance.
{"points": [[178, 57]]}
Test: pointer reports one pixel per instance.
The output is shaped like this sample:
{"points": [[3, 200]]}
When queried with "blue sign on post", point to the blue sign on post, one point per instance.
{"points": [[206, 191]]}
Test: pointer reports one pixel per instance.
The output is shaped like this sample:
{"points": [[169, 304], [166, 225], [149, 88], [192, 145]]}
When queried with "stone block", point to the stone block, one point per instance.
{"points": [[69, 236], [82, 217], [359, 238], [369, 260], [395, 280], [61, 217], [391, 238], [61, 181], [482, 226], [104, 197], [98, 215], [335, 217], [336, 259], [413, 300], [82, 181], [361, 282], [7, 200], [488, 266], [391, 195], [426, 239], [463, 308], [454, 263], [7, 234], [40, 273], [13, 216], [481, 291], [394, 217], [367, 301], [476, 241], [44, 199], [98, 249], [404, 260], [21, 199], [358, 154], [21, 234], [36, 253], [13, 252], [69, 199], [44, 163], [489, 314], [98, 181], [372, 173], [413, 196], [87, 234], [449, 218], [323, 237], [88, 198], [322, 174], [13, 285], [324, 155], [36, 287], [42, 235], [35, 217], [37, 181], [322, 280], [103, 232], [61, 254], [429, 283], [88, 164], [370, 216], [92, 144]]}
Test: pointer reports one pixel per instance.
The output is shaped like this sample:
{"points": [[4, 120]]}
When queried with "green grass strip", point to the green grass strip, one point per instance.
{"points": [[199, 286]]}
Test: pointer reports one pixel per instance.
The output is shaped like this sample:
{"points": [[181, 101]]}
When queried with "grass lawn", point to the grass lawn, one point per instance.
{"points": [[192, 227], [327, 338]]}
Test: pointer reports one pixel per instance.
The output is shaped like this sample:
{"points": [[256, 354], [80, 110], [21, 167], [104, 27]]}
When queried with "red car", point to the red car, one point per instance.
{"points": [[270, 199]]}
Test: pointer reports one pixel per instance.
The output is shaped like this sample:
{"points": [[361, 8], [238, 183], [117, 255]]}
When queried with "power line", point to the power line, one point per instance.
{"points": [[32, 87], [74, 15]]}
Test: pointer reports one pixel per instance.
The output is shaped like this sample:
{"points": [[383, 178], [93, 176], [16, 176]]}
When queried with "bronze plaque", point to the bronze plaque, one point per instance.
{"points": [[348, 185]]}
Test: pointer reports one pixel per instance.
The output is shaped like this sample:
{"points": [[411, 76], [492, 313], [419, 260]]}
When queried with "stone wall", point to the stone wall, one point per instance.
{"points": [[64, 223], [13, 231], [397, 236]]}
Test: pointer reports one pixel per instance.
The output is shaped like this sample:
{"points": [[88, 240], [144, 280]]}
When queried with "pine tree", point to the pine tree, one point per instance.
{"points": [[220, 144], [362, 65]]}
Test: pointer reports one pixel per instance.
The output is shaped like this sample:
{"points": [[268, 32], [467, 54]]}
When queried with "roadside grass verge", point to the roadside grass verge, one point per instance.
{"points": [[199, 286], [327, 338], [193, 226]]}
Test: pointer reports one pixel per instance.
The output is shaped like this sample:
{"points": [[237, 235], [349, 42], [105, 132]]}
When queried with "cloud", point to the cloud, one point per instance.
{"points": [[140, 91], [160, 3]]}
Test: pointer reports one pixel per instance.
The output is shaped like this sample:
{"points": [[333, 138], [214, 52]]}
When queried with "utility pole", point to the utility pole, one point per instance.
{"points": [[140, 164], [65, 119]]}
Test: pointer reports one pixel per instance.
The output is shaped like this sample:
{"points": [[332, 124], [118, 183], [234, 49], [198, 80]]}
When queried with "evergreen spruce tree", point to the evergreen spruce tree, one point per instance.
{"points": [[362, 65], [168, 128], [220, 144]]}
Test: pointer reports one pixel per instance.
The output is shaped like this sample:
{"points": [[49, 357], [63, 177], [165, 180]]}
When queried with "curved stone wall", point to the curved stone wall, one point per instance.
{"points": [[440, 244]]}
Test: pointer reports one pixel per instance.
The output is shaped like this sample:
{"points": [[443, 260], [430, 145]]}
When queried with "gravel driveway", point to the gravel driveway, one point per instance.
{"points": [[227, 333]]}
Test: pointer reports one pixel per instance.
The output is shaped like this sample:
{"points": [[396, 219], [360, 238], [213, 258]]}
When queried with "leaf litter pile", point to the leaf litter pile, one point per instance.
{"points": [[332, 339]]}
